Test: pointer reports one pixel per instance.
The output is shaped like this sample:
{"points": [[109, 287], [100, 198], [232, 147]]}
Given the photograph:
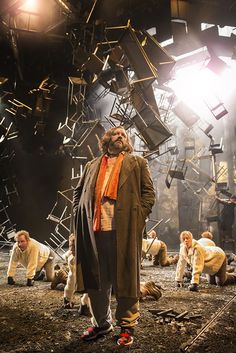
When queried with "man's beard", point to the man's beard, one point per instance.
{"points": [[118, 147]]}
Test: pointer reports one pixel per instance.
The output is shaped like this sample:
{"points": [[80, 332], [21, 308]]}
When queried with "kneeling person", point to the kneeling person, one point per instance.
{"points": [[206, 239], [210, 260], [71, 282], [32, 255], [158, 249]]}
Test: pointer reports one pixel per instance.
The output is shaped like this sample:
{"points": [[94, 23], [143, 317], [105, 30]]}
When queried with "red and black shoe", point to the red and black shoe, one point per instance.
{"points": [[125, 337], [92, 333]]}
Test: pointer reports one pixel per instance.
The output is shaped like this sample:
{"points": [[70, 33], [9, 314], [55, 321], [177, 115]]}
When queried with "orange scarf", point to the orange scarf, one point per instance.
{"points": [[111, 187]]}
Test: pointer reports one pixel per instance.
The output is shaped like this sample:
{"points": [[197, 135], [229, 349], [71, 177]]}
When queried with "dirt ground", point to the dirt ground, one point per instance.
{"points": [[32, 318]]}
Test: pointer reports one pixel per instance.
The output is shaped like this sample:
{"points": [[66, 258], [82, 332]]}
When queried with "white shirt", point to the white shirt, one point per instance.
{"points": [[32, 258], [155, 247], [206, 242], [203, 259]]}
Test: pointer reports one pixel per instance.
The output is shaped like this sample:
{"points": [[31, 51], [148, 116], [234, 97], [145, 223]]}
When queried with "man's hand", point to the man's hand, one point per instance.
{"points": [[179, 284], [67, 304], [30, 282], [10, 281], [193, 287]]}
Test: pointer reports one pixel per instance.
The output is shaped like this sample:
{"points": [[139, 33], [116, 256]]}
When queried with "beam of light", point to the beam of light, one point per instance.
{"points": [[64, 6], [191, 85], [227, 79], [30, 6], [196, 85]]}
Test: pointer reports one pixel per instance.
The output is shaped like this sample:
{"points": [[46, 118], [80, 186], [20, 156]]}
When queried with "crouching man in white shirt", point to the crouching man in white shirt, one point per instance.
{"points": [[32, 255], [202, 259]]}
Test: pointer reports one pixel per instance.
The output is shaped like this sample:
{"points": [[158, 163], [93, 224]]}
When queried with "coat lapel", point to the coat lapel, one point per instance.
{"points": [[94, 169], [128, 165]]}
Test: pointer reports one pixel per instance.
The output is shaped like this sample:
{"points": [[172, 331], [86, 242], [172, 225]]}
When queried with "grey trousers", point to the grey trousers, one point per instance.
{"points": [[127, 310]]}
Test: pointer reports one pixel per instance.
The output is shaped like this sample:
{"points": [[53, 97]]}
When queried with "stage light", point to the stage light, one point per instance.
{"points": [[189, 85], [30, 6], [202, 90]]}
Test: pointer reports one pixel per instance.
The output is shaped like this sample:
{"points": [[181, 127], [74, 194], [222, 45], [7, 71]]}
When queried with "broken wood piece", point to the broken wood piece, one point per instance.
{"points": [[171, 315], [181, 316], [195, 317], [160, 312], [164, 312], [154, 311]]}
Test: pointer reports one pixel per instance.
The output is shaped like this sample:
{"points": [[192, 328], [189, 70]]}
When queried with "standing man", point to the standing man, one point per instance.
{"points": [[34, 256], [111, 202]]}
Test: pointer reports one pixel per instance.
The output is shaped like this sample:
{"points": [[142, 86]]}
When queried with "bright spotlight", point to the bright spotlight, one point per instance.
{"points": [[200, 89], [30, 6]]}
